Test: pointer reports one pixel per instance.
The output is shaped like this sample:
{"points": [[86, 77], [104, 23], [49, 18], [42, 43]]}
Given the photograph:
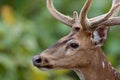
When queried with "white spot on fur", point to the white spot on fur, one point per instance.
{"points": [[103, 64], [112, 68]]}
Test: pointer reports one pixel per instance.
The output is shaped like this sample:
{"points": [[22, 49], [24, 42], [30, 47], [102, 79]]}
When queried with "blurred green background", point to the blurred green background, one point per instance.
{"points": [[27, 28]]}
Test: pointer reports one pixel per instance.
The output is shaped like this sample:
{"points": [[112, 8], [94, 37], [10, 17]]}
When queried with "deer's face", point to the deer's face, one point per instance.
{"points": [[76, 49], [72, 49]]}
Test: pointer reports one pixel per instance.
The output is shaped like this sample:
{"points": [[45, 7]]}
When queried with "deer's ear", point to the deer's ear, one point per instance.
{"points": [[99, 36]]}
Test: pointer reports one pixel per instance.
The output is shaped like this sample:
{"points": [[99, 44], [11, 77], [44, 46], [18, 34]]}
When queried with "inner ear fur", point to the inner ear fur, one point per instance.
{"points": [[99, 36]]}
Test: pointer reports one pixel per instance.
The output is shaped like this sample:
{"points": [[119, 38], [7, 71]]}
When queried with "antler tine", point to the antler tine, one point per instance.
{"points": [[113, 12], [111, 22], [83, 14], [107, 16], [92, 20], [59, 16], [117, 10], [76, 17], [115, 20]]}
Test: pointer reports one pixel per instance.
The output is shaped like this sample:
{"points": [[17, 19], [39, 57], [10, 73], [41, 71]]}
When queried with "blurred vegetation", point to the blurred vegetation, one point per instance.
{"points": [[27, 28]]}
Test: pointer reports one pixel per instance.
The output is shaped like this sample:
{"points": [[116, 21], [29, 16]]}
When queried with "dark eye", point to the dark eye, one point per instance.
{"points": [[74, 45]]}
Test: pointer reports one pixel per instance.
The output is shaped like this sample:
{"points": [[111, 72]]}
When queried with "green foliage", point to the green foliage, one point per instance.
{"points": [[26, 28]]}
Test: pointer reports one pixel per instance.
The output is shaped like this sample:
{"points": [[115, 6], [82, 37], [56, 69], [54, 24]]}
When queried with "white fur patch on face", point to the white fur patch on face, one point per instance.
{"points": [[96, 38]]}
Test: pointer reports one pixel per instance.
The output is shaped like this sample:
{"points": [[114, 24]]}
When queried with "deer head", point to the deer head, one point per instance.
{"points": [[82, 45]]}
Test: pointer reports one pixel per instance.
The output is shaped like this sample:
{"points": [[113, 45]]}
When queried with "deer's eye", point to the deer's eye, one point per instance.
{"points": [[74, 45]]}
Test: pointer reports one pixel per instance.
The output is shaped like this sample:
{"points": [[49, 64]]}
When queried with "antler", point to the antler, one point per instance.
{"points": [[107, 16], [59, 16], [68, 20], [83, 15], [117, 10], [113, 12], [111, 22], [115, 20], [84, 21]]}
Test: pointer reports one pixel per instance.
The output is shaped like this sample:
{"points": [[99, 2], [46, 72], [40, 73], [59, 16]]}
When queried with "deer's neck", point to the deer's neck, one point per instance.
{"points": [[99, 69]]}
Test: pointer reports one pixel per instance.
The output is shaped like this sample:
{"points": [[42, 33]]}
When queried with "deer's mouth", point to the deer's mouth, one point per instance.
{"points": [[45, 67]]}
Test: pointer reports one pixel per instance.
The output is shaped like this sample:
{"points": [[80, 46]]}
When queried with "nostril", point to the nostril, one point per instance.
{"points": [[37, 61]]}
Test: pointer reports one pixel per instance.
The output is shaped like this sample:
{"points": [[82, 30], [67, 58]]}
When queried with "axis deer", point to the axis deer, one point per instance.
{"points": [[80, 50]]}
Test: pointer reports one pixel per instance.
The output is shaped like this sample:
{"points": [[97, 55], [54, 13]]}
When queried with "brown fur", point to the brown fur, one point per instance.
{"points": [[88, 59]]}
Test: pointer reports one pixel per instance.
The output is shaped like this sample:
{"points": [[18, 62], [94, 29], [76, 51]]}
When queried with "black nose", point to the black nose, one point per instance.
{"points": [[37, 61]]}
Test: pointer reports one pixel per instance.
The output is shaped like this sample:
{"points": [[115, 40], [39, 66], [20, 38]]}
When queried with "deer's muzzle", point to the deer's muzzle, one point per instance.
{"points": [[41, 62]]}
